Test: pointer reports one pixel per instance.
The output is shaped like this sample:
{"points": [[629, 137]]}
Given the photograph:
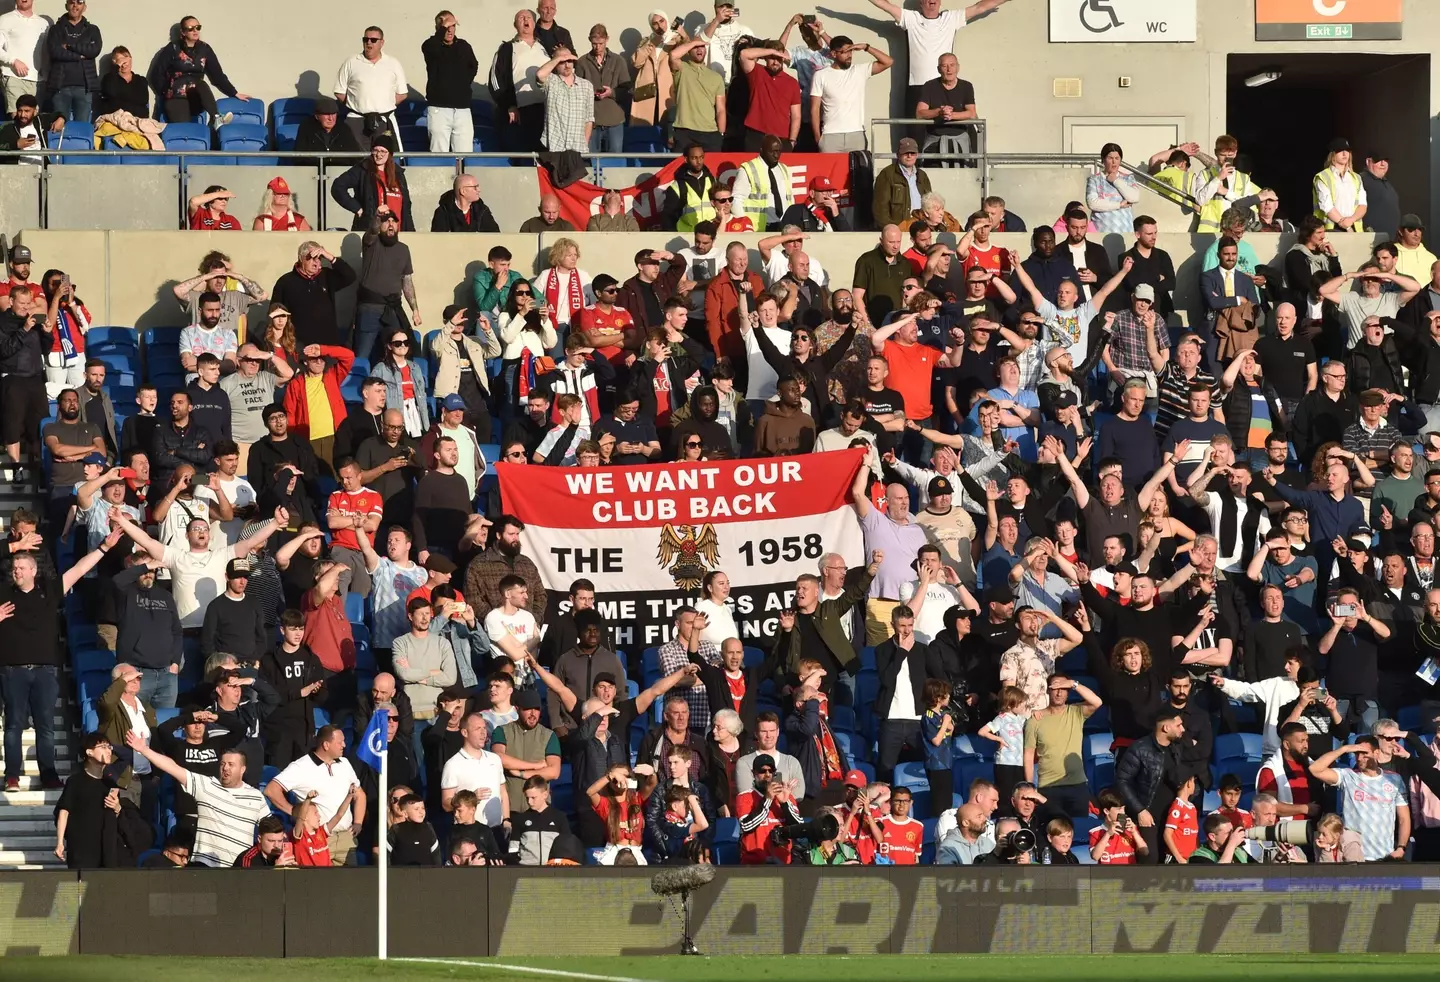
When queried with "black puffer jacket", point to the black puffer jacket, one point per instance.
{"points": [[73, 49], [22, 352], [447, 217], [1140, 772]]}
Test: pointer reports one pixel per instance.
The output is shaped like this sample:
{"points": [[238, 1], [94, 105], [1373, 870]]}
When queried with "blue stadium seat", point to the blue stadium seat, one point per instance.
{"points": [[1098, 721], [1082, 852], [482, 114], [1249, 746], [1098, 744], [115, 359], [410, 112], [644, 139], [364, 655], [1242, 767], [650, 666], [753, 656], [911, 774], [246, 137], [867, 685], [842, 719], [92, 685], [727, 830], [89, 659], [486, 162], [248, 111], [1409, 718], [116, 336], [186, 136], [964, 745], [285, 135], [291, 110], [166, 714], [77, 136], [867, 659]]}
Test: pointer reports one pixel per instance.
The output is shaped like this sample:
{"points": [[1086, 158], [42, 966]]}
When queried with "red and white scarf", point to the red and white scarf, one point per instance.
{"points": [[574, 296]]}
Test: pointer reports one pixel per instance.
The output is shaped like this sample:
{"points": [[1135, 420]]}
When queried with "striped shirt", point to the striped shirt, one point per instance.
{"points": [[227, 817], [1174, 389]]}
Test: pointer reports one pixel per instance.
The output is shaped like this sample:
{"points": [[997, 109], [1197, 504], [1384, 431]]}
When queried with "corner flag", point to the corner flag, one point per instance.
{"points": [[374, 741]]}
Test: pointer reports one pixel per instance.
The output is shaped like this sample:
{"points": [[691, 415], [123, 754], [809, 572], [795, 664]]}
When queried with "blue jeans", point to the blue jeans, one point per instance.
{"points": [[72, 103], [32, 695], [608, 139], [159, 688], [369, 319]]}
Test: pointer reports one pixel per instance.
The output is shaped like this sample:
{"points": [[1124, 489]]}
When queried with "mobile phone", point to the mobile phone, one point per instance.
{"points": [[677, 23], [631, 783], [807, 19], [1344, 610], [1321, 694]]}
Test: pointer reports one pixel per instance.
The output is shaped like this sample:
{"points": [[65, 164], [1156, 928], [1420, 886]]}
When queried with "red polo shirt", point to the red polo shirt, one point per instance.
{"points": [[771, 97], [203, 221]]}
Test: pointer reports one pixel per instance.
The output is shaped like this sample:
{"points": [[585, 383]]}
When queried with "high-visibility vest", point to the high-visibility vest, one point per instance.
{"points": [[1327, 177], [756, 203], [1210, 211], [695, 207]]}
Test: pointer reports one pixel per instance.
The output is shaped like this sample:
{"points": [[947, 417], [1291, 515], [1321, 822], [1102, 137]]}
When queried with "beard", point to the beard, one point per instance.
{"points": [[510, 549], [842, 316]]}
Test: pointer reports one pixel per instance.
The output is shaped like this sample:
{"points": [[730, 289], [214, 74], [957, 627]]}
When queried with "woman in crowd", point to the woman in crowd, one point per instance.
{"points": [[280, 333], [714, 591], [724, 747], [179, 78], [374, 181], [932, 212], [1175, 536], [525, 335], [406, 387], [122, 90], [277, 210], [1111, 192]]}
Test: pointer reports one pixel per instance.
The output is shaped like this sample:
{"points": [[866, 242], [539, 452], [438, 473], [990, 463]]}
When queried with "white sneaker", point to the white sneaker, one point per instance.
{"points": [[223, 118]]}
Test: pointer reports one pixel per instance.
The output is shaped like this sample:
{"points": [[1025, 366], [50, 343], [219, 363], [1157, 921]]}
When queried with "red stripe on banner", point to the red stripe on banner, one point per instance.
{"points": [[713, 492], [580, 200]]}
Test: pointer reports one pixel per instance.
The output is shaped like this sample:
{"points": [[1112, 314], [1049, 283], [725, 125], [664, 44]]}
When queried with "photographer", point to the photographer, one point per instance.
{"points": [[618, 800], [1118, 841], [1014, 845], [1265, 812], [1223, 842], [763, 809], [832, 851]]}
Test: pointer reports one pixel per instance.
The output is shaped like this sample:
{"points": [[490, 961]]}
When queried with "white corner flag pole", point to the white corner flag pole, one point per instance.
{"points": [[382, 834]]}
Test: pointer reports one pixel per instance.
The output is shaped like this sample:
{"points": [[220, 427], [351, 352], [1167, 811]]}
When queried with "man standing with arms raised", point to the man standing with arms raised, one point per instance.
{"points": [[930, 33]]}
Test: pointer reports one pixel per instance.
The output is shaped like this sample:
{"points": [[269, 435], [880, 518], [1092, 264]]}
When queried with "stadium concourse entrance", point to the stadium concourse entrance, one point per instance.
{"points": [[1380, 103]]}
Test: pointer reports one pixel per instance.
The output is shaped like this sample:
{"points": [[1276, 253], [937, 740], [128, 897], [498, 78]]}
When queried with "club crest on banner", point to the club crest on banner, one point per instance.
{"points": [[688, 552]]}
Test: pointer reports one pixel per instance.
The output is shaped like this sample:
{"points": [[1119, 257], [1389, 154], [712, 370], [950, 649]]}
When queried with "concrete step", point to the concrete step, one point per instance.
{"points": [[21, 825], [26, 842], [31, 767], [31, 859], [28, 796], [28, 750], [28, 782]]}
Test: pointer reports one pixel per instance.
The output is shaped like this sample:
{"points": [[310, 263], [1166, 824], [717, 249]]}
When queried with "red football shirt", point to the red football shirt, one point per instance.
{"points": [[901, 841], [356, 504], [756, 846], [617, 319], [741, 224], [1184, 822], [1119, 851], [771, 97], [994, 259], [203, 221], [911, 369]]}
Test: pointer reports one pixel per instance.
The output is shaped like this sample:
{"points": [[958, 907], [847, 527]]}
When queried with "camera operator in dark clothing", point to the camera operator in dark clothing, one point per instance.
{"points": [[1014, 845]]}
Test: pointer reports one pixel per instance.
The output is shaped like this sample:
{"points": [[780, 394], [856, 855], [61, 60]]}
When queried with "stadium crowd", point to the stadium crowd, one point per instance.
{"points": [[1135, 590]]}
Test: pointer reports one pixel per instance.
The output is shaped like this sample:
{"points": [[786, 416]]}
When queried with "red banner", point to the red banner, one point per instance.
{"points": [[580, 200]]}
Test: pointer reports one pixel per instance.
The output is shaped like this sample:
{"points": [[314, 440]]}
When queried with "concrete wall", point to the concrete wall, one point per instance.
{"points": [[125, 277]]}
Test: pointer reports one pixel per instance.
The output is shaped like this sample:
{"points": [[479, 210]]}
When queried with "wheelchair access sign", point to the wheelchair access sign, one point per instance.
{"points": [[1122, 21]]}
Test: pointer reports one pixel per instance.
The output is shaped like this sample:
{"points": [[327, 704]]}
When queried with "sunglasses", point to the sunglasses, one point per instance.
{"points": [[722, 201], [399, 344], [192, 27], [372, 40], [693, 446], [516, 453], [522, 293]]}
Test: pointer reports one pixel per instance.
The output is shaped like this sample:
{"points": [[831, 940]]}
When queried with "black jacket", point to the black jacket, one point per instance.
{"points": [[266, 455], [450, 69], [714, 438], [1319, 420], [310, 135], [816, 369], [1140, 773], [799, 214], [149, 629], [73, 49], [802, 726], [447, 217], [1133, 699], [235, 626], [22, 352], [246, 720], [1237, 411], [177, 65], [717, 688], [683, 362], [355, 191], [289, 673], [1359, 364], [170, 448], [888, 659]]}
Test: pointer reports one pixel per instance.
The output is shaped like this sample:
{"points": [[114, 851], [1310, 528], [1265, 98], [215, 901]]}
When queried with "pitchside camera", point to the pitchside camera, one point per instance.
{"points": [[1290, 833], [818, 830]]}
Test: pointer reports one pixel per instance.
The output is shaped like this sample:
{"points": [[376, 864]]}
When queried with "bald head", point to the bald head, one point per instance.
{"points": [[550, 208], [971, 818], [1285, 318], [383, 688], [890, 240], [393, 417]]}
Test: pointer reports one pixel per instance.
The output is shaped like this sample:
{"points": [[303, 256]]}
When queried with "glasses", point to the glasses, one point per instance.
{"points": [[722, 201], [192, 28], [1033, 323], [522, 293], [693, 446], [469, 187], [372, 40], [314, 257], [516, 453], [610, 289], [399, 344], [1334, 374]]}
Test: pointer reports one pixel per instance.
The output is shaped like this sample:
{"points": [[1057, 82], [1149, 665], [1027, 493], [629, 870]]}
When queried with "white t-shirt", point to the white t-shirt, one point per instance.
{"points": [[762, 376], [371, 87], [779, 266], [842, 97], [240, 495], [23, 38], [330, 782], [196, 579], [722, 46], [928, 40], [701, 269], [938, 599], [464, 438], [902, 704], [178, 518], [465, 773], [226, 824], [722, 622], [526, 60], [519, 625]]}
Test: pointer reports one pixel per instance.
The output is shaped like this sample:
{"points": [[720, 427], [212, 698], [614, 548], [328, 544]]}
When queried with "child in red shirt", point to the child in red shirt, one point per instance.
{"points": [[309, 843], [1230, 791], [1182, 825]]}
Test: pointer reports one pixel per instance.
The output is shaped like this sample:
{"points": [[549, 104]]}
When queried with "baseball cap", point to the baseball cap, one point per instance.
{"points": [[1338, 144], [273, 409], [436, 563], [907, 145], [1358, 543], [939, 486], [856, 779], [94, 458], [1065, 398], [821, 183], [526, 699], [454, 401], [278, 185], [1406, 222], [604, 677], [20, 254], [761, 760], [237, 568], [1144, 292], [1128, 568]]}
